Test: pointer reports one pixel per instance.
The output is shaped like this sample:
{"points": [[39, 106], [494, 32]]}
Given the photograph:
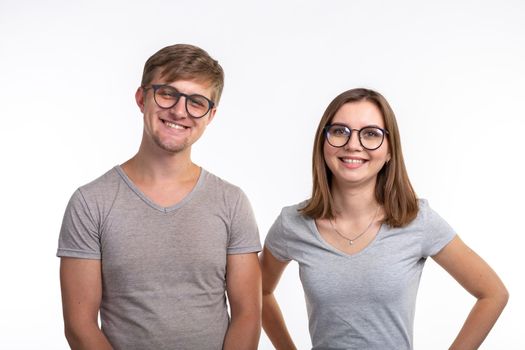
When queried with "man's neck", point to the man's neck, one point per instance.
{"points": [[161, 168]]}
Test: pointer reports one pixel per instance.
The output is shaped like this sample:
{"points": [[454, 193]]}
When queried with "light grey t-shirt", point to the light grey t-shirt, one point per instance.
{"points": [[363, 301], [163, 269]]}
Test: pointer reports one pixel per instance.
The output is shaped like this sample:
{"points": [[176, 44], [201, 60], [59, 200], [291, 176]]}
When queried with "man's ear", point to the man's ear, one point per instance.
{"points": [[139, 98]]}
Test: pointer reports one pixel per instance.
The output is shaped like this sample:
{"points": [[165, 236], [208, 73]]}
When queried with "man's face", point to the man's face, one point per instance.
{"points": [[173, 130]]}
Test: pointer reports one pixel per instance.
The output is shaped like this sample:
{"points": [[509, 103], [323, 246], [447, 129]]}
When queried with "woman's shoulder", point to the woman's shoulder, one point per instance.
{"points": [[419, 222], [423, 206], [425, 213], [294, 208], [293, 212], [436, 232], [291, 217]]}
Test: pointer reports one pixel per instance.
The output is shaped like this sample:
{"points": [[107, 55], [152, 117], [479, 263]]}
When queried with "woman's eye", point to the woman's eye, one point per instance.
{"points": [[372, 133], [339, 131]]}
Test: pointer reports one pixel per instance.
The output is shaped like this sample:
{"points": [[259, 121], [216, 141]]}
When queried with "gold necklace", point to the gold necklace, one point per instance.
{"points": [[352, 240]]}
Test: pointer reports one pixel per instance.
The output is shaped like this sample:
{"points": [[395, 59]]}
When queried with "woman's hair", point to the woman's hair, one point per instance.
{"points": [[393, 189]]}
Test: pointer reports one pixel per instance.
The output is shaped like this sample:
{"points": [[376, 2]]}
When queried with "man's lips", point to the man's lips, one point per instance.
{"points": [[174, 125]]}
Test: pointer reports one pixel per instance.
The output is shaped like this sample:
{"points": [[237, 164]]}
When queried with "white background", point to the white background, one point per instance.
{"points": [[453, 71]]}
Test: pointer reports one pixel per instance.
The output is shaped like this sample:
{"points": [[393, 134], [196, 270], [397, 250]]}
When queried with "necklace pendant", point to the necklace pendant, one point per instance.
{"points": [[350, 242]]}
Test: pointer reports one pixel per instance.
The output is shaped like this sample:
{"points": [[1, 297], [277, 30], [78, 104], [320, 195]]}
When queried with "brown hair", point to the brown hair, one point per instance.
{"points": [[393, 189], [184, 61]]}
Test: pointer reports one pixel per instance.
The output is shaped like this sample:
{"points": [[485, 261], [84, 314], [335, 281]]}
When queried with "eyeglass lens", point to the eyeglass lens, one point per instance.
{"points": [[370, 138], [196, 105]]}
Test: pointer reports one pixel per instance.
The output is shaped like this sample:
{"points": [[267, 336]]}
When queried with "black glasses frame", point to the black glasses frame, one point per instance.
{"points": [[327, 127], [177, 95]]}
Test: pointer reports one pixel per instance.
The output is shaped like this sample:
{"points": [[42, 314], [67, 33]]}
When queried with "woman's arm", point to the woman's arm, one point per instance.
{"points": [[478, 278], [272, 318]]}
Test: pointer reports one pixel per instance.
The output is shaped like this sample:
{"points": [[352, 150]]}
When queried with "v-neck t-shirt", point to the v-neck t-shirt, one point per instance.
{"points": [[364, 300], [163, 269]]}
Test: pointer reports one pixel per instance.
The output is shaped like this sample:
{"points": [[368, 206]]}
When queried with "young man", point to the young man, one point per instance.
{"points": [[155, 243]]}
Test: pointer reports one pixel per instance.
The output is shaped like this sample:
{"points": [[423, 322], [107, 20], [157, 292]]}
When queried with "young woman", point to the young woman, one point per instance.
{"points": [[362, 239]]}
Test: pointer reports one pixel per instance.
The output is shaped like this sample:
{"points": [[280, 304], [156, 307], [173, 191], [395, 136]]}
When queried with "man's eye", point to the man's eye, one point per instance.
{"points": [[197, 101], [167, 93]]}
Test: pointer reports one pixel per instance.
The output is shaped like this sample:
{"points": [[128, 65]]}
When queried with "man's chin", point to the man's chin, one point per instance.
{"points": [[171, 148]]}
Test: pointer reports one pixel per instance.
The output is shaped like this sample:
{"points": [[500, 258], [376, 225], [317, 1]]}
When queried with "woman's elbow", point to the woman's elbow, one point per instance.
{"points": [[502, 296]]}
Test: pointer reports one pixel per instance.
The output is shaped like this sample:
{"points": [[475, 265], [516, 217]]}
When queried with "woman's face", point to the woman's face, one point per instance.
{"points": [[353, 164]]}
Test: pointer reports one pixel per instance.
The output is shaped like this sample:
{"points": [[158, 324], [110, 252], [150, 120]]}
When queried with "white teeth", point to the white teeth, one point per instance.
{"points": [[353, 161], [174, 126]]}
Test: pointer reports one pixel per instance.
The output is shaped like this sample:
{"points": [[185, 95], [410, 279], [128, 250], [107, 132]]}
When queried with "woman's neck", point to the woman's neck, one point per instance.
{"points": [[354, 203]]}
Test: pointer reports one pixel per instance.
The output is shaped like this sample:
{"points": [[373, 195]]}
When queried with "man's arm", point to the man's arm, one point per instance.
{"points": [[81, 283], [243, 285]]}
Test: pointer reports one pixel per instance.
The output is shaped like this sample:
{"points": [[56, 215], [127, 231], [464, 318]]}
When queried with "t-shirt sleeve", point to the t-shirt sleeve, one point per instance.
{"points": [[438, 233], [79, 235], [276, 242], [244, 234]]}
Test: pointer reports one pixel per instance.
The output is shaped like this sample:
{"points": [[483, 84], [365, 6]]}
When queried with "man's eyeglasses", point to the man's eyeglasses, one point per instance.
{"points": [[370, 137], [167, 96]]}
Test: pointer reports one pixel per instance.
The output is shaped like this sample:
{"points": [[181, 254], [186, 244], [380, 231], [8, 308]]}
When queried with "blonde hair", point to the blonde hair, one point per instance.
{"points": [[184, 61]]}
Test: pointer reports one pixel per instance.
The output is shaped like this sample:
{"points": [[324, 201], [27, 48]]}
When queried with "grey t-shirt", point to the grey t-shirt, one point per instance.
{"points": [[163, 269], [365, 300]]}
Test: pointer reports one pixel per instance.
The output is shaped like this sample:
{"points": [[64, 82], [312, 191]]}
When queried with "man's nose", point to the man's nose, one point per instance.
{"points": [[179, 109]]}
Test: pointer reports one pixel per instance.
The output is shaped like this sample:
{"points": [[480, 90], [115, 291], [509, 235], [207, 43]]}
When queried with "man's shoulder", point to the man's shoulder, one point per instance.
{"points": [[217, 183], [103, 185], [222, 192]]}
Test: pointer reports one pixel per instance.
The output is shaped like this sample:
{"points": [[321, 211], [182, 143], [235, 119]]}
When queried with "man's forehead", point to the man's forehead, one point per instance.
{"points": [[170, 79], [189, 86]]}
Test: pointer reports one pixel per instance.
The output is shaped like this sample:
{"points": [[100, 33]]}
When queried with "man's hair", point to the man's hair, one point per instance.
{"points": [[393, 189], [188, 62]]}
